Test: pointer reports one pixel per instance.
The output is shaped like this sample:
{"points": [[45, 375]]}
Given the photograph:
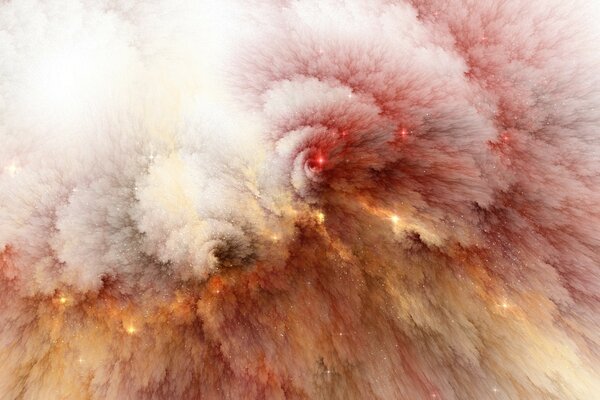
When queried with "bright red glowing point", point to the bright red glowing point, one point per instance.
{"points": [[404, 132], [317, 162]]}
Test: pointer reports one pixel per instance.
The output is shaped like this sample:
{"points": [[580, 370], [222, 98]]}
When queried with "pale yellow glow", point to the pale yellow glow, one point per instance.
{"points": [[131, 329], [12, 168], [320, 217], [395, 219]]}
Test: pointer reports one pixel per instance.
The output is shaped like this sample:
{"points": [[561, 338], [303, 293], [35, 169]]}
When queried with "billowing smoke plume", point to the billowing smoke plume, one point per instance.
{"points": [[315, 199]]}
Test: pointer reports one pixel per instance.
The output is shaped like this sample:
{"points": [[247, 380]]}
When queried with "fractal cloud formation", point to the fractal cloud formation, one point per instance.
{"points": [[300, 199]]}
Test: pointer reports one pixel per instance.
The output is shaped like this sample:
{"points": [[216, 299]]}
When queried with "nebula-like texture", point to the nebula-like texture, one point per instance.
{"points": [[315, 199]]}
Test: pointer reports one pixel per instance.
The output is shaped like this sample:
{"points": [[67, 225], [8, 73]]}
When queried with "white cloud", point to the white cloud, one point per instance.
{"points": [[353, 199]]}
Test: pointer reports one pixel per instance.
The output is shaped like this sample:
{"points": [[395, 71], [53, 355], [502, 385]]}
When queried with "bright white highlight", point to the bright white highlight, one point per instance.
{"points": [[68, 81]]}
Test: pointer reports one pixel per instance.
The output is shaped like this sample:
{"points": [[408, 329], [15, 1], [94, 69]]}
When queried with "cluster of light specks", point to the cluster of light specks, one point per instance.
{"points": [[354, 199]]}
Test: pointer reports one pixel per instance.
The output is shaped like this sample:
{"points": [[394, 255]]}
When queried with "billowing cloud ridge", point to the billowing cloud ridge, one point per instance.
{"points": [[300, 199]]}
